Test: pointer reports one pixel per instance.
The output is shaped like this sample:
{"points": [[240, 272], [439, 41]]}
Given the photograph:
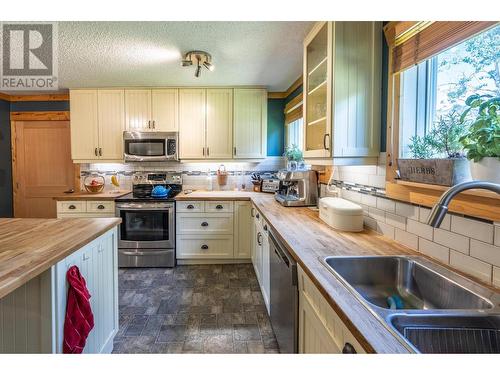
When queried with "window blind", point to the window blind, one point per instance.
{"points": [[413, 42]]}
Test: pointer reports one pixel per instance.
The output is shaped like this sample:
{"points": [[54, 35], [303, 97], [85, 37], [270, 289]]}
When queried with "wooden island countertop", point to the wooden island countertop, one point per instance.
{"points": [[86, 196], [309, 239], [28, 247]]}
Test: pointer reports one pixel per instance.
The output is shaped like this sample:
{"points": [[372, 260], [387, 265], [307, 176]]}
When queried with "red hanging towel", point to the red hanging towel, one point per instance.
{"points": [[79, 319]]}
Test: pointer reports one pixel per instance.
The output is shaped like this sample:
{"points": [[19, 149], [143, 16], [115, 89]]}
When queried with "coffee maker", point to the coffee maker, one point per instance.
{"points": [[297, 188]]}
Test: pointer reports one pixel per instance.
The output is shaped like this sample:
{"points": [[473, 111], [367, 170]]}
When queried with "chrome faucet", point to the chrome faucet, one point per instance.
{"points": [[440, 209]]}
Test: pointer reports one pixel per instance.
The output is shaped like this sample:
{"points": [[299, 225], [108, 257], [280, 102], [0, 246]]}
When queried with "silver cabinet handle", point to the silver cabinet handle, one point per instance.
{"points": [[219, 207], [252, 212], [234, 150], [153, 124], [259, 238], [190, 207], [204, 224], [203, 151], [72, 207], [204, 247], [95, 151], [265, 228], [100, 207], [325, 146], [149, 124], [100, 151], [208, 151], [257, 215]]}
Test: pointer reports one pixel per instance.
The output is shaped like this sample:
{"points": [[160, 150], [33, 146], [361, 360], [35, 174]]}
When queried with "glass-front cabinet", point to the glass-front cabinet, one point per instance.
{"points": [[341, 92], [317, 80]]}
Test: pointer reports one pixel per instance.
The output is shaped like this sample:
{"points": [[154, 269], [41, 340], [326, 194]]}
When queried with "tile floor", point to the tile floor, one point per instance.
{"points": [[193, 309]]}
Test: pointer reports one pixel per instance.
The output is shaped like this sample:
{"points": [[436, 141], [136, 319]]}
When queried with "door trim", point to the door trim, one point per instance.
{"points": [[40, 116]]}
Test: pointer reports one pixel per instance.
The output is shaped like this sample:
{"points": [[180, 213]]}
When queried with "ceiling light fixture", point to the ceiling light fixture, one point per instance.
{"points": [[199, 58]]}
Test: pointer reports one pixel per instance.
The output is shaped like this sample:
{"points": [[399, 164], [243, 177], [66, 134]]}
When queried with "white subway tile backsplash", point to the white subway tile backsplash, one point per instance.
{"points": [[408, 239], [386, 204], [369, 200], [385, 229], [453, 240], [408, 210], [377, 181], [497, 234], [496, 276], [351, 195], [434, 250], [446, 224], [423, 214], [376, 214], [395, 220], [370, 223], [472, 266], [486, 252], [420, 229], [472, 228]]}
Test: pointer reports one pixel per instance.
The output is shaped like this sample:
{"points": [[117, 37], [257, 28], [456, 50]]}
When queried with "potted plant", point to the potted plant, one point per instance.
{"points": [[482, 140], [438, 157], [294, 156]]}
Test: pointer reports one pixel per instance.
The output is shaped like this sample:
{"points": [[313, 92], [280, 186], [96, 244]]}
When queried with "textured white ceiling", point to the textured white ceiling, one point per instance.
{"points": [[99, 54]]}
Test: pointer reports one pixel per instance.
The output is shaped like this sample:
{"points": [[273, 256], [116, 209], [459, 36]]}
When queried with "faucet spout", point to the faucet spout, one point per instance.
{"points": [[440, 209]]}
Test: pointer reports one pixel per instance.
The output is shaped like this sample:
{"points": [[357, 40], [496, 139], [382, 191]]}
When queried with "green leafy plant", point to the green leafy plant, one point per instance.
{"points": [[293, 153], [421, 147], [445, 135], [483, 136]]}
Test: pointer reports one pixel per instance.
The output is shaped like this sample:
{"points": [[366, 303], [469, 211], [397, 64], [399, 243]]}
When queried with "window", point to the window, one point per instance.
{"points": [[295, 133], [436, 89]]}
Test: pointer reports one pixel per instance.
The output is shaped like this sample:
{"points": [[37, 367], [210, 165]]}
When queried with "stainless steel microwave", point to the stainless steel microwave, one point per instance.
{"points": [[150, 146]]}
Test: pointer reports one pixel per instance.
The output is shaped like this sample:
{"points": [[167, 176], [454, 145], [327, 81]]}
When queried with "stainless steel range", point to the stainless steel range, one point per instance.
{"points": [[146, 236]]}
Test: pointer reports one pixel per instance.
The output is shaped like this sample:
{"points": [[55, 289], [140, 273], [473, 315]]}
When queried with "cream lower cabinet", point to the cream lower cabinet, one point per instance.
{"points": [[97, 125], [32, 316], [209, 231], [261, 257], [320, 329], [85, 209]]}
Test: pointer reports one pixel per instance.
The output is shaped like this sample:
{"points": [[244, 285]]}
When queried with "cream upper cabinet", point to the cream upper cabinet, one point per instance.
{"points": [[342, 90], [111, 123], [164, 110], [138, 110], [84, 125], [192, 123], [250, 123], [219, 115]]}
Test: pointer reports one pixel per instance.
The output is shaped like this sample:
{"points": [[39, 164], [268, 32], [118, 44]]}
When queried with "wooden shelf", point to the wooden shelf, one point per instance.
{"points": [[476, 203]]}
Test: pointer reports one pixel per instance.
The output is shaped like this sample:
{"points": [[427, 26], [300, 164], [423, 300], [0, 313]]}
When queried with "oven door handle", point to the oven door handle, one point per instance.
{"points": [[143, 208]]}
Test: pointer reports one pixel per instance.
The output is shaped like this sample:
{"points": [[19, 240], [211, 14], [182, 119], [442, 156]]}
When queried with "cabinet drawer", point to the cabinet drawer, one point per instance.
{"points": [[218, 206], [190, 206], [257, 216], [100, 206], [199, 247], [71, 206], [205, 223]]}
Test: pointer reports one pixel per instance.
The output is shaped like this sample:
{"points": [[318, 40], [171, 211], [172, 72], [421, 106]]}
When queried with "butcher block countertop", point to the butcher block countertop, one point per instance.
{"points": [[85, 196], [229, 195], [28, 247], [309, 239]]}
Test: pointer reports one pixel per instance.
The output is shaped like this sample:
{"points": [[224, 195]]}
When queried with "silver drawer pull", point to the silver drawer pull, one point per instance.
{"points": [[265, 228], [72, 207], [257, 216], [204, 247], [219, 207], [100, 207], [190, 207], [204, 224]]}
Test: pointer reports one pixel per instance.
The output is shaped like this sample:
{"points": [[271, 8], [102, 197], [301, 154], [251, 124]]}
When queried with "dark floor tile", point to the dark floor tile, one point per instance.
{"points": [[255, 347], [153, 325], [167, 348], [246, 332], [269, 341], [240, 347], [139, 345], [218, 344], [208, 319], [172, 333], [192, 346]]}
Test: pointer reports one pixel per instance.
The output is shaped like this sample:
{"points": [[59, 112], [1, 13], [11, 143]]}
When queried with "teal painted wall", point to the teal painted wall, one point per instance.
{"points": [[275, 127], [5, 161]]}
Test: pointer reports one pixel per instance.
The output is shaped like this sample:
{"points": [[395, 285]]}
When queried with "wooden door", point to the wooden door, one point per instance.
{"points": [[250, 123], [138, 110], [41, 166], [219, 124], [111, 124], [164, 110], [192, 123], [84, 125]]}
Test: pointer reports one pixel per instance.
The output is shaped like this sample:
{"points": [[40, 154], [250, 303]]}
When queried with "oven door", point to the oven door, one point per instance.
{"points": [[146, 225]]}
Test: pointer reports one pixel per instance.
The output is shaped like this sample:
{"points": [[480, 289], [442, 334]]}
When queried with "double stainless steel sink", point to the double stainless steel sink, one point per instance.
{"points": [[439, 311]]}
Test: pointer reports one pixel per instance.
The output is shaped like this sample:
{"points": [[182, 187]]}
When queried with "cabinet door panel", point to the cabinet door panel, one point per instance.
{"points": [[111, 123], [164, 110], [250, 123], [84, 124], [192, 123], [243, 229], [137, 110], [219, 123]]}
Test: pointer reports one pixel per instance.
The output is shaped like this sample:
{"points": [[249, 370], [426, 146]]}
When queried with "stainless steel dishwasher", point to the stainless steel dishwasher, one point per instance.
{"points": [[284, 296]]}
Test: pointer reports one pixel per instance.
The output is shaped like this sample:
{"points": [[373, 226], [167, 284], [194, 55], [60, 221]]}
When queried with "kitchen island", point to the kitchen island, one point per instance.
{"points": [[34, 257]]}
